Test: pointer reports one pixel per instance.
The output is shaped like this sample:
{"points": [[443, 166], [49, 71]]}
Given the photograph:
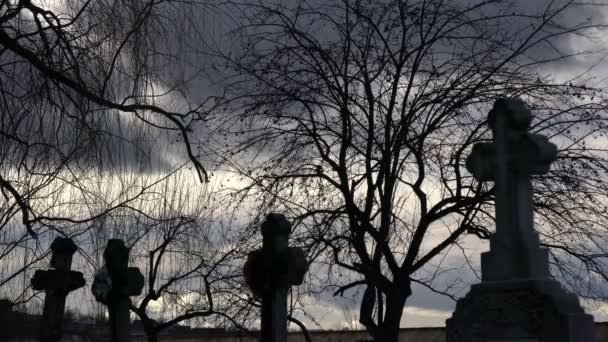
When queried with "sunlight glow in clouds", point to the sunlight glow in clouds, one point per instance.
{"points": [[58, 7]]}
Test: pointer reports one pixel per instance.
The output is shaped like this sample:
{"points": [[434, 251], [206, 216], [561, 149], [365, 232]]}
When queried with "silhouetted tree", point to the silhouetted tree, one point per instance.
{"points": [[85, 94], [356, 118], [188, 258]]}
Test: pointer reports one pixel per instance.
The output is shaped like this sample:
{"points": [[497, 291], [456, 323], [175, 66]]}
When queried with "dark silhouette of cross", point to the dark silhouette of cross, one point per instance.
{"points": [[57, 284], [125, 282], [270, 272]]}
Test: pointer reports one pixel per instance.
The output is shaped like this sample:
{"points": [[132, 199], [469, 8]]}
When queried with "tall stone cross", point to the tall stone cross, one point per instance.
{"points": [[114, 284], [57, 284], [516, 300], [510, 160], [270, 271]]}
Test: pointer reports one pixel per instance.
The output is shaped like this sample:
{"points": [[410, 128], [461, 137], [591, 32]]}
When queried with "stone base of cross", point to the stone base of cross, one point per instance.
{"points": [[519, 309], [270, 271]]}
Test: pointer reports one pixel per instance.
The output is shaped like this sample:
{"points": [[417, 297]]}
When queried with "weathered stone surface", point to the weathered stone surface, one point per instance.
{"points": [[135, 283], [116, 257], [482, 162], [113, 285], [57, 284], [509, 160], [517, 300], [270, 271], [276, 225], [63, 250], [254, 272], [289, 270], [126, 281], [519, 309], [57, 281], [297, 266], [102, 286]]}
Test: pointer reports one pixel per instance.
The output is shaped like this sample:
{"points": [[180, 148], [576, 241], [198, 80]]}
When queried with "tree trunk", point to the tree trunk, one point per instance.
{"points": [[150, 329], [387, 333], [152, 335], [388, 330]]}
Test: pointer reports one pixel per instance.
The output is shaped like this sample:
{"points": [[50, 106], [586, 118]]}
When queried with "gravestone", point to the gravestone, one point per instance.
{"points": [[57, 284], [516, 300], [114, 284], [270, 272]]}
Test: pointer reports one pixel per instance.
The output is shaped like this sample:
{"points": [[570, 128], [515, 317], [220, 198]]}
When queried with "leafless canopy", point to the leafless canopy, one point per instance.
{"points": [[83, 93], [356, 117]]}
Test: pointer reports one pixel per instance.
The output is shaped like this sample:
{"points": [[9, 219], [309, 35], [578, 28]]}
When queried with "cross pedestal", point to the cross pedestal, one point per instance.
{"points": [[57, 284], [517, 299], [113, 286], [270, 272]]}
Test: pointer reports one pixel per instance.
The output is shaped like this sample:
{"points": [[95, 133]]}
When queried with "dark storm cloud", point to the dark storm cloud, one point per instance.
{"points": [[532, 13], [555, 47], [204, 32], [121, 144], [38, 135], [45, 122], [125, 144]]}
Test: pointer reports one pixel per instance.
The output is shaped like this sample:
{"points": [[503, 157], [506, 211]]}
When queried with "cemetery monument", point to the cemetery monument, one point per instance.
{"points": [[57, 283], [114, 284], [517, 300], [270, 272]]}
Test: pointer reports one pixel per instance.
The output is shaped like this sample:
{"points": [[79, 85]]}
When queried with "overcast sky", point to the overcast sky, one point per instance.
{"points": [[424, 308]]}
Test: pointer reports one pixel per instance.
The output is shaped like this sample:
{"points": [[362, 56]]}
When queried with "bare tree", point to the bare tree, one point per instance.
{"points": [[356, 118], [86, 89], [189, 257]]}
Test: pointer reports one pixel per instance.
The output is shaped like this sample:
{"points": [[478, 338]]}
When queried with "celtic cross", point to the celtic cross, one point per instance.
{"points": [[270, 271], [114, 284]]}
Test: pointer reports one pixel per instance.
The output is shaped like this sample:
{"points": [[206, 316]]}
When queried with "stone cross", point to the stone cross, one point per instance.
{"points": [[516, 300], [509, 161], [270, 272], [56, 283], [113, 286]]}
